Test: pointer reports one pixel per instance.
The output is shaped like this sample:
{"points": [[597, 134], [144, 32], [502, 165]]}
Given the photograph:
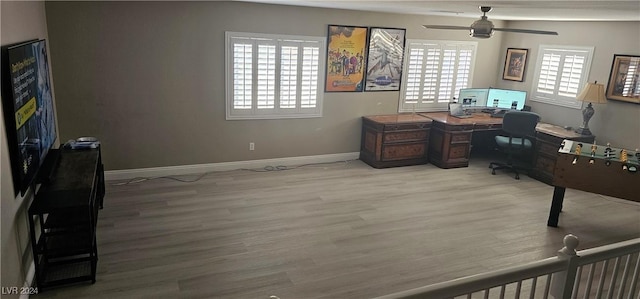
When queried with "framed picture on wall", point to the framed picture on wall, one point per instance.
{"points": [[346, 58], [384, 59], [514, 64], [624, 81]]}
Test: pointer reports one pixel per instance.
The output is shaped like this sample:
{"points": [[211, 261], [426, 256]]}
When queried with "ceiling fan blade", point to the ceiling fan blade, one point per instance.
{"points": [[446, 27], [526, 31]]}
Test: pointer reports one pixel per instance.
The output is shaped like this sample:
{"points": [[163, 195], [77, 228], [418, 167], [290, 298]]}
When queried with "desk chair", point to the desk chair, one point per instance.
{"points": [[520, 130]]}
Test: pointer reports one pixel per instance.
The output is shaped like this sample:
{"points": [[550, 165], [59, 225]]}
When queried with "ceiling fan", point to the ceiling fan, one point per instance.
{"points": [[483, 28]]}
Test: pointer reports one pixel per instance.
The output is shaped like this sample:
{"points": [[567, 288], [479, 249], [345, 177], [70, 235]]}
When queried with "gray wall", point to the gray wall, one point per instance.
{"points": [[147, 78], [616, 122], [21, 21]]}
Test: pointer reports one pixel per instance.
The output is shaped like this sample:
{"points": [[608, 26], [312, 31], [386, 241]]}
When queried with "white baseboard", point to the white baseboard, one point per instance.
{"points": [[224, 166], [28, 282]]}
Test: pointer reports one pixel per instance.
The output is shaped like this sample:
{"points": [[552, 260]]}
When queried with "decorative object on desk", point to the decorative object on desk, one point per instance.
{"points": [[514, 64], [346, 51], [594, 147], [384, 59], [624, 81], [592, 93]]}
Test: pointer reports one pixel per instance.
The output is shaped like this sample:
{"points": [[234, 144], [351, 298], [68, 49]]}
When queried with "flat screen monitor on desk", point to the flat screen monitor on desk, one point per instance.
{"points": [[473, 97], [506, 98]]}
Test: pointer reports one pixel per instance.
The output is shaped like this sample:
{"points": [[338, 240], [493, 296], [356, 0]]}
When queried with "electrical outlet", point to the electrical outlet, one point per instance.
{"points": [[252, 146]]}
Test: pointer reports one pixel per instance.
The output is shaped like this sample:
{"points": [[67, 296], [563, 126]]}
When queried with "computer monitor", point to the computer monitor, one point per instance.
{"points": [[506, 98], [473, 97]]}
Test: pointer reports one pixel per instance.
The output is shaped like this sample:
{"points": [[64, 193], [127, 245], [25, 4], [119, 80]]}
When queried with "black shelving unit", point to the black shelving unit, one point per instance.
{"points": [[63, 218]]}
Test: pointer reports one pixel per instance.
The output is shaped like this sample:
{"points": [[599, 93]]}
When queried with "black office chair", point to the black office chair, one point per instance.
{"points": [[520, 129]]}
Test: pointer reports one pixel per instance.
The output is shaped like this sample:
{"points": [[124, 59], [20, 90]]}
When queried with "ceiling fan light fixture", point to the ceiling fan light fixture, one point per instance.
{"points": [[481, 34], [483, 28]]}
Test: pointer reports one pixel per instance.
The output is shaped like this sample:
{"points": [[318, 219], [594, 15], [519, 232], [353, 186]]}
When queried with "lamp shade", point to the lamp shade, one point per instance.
{"points": [[593, 93]]}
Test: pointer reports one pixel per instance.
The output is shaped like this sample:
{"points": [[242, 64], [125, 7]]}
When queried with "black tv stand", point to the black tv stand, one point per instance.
{"points": [[45, 174], [65, 209]]}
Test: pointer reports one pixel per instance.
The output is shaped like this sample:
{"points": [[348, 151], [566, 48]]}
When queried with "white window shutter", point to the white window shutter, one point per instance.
{"points": [[242, 75], [310, 77], [266, 73], [273, 76], [288, 77], [435, 71], [561, 73]]}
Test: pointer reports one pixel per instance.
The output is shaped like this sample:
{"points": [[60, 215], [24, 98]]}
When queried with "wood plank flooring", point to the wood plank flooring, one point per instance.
{"points": [[342, 230]]}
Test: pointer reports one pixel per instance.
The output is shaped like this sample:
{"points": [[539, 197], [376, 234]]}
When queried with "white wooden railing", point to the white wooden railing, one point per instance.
{"points": [[611, 271]]}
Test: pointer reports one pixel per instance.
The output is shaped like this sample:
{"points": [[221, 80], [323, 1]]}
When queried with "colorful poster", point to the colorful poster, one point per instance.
{"points": [[346, 58], [384, 65]]}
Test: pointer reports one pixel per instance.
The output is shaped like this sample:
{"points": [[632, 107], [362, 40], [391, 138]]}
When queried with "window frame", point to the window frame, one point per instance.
{"points": [[435, 105], [280, 41], [555, 98]]}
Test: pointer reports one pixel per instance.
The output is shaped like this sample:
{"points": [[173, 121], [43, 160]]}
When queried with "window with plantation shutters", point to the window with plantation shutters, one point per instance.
{"points": [[561, 73], [435, 71], [273, 76]]}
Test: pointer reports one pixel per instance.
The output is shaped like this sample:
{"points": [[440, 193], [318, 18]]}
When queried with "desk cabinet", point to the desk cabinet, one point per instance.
{"points": [[63, 218], [548, 140], [450, 142], [394, 140], [450, 145]]}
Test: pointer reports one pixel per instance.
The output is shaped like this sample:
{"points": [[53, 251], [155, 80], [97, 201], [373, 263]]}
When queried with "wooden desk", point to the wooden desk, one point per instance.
{"points": [[450, 142], [394, 140], [548, 140]]}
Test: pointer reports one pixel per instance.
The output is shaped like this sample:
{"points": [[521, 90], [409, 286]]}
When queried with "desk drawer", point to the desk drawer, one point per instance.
{"points": [[452, 127], [403, 151], [461, 137], [407, 126], [548, 148], [404, 136], [488, 127]]}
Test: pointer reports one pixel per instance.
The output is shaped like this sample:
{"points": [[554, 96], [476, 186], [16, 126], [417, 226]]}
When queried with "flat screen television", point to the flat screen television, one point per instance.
{"points": [[29, 115], [506, 98]]}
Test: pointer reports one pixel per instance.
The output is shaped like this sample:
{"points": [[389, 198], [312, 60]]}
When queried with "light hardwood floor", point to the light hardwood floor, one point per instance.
{"points": [[342, 230]]}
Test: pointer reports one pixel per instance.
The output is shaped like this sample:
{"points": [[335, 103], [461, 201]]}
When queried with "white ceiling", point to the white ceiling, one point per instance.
{"points": [[549, 10]]}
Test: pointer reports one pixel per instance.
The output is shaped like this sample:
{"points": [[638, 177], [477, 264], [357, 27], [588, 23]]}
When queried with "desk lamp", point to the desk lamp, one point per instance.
{"points": [[592, 93]]}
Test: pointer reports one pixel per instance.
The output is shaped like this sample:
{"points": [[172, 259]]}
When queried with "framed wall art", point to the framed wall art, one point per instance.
{"points": [[514, 64], [624, 81], [346, 58], [384, 59]]}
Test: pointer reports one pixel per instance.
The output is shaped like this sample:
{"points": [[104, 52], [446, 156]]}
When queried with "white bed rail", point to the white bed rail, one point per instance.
{"points": [[611, 270]]}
